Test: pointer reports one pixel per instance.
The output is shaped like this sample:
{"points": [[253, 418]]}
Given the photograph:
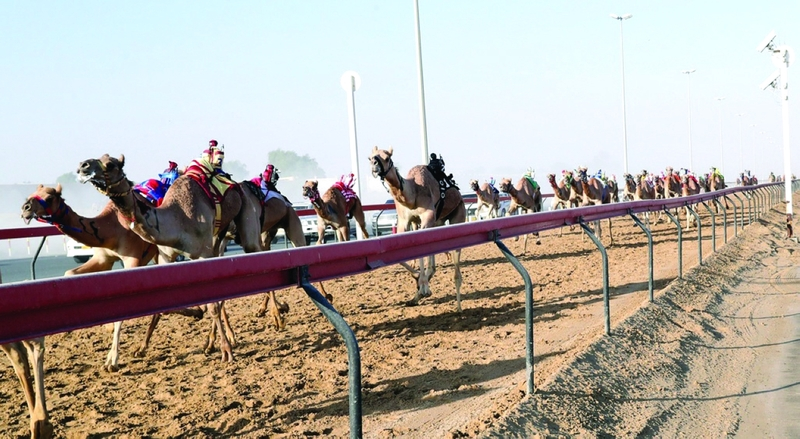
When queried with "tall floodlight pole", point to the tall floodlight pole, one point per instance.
{"points": [[422, 122], [721, 147], [689, 101], [782, 56], [350, 82], [741, 144], [620, 18]]}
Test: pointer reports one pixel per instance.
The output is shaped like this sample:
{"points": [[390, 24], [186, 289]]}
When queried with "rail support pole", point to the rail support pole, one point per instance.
{"points": [[713, 227], [649, 254], [606, 298], [735, 229], [741, 204], [724, 218], [528, 308], [699, 235], [680, 241], [750, 202], [36, 257], [353, 353]]}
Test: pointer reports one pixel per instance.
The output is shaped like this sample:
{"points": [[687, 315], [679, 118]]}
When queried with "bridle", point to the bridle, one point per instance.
{"points": [[313, 196], [109, 184], [53, 218], [377, 160]]}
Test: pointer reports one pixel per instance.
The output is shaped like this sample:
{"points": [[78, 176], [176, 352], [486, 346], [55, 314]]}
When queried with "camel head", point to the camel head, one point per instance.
{"points": [[474, 185], [311, 190], [551, 178], [381, 161], [45, 205], [505, 185], [104, 173], [582, 176]]}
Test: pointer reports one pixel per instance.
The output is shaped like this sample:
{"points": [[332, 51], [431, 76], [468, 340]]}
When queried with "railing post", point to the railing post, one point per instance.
{"points": [[36, 256], [528, 308], [741, 203], [724, 218], [353, 354], [699, 235], [649, 254], [606, 299], [713, 227], [749, 196], [735, 230], [680, 242]]}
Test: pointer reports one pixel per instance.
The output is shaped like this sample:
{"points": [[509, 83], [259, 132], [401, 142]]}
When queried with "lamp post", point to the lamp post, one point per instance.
{"points": [[721, 147], [423, 123], [350, 82], [782, 56], [689, 103], [620, 18]]}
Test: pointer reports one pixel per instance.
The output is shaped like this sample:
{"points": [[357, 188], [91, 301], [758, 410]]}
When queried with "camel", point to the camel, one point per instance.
{"points": [[334, 208], [27, 359], [646, 191], [575, 188], [185, 223], [689, 186], [525, 195], [561, 192], [421, 204], [594, 193], [629, 190], [672, 184], [488, 197], [107, 233], [771, 177]]}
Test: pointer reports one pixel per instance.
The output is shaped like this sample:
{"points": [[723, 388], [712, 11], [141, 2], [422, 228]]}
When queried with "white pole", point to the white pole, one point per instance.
{"points": [[350, 81], [741, 147], [787, 163], [721, 147], [624, 114], [423, 124], [689, 104]]}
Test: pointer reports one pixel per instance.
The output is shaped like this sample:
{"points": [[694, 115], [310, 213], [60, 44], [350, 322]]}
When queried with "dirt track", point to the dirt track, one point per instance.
{"points": [[427, 371]]}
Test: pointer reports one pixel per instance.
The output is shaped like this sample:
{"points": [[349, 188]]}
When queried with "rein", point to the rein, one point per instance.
{"points": [[385, 171], [54, 218], [109, 185]]}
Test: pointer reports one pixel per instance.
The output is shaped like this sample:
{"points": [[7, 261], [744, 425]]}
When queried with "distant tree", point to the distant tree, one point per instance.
{"points": [[68, 179], [237, 169], [292, 165]]}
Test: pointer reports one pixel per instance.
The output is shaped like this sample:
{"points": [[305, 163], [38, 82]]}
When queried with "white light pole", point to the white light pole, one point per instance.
{"points": [[689, 101], [422, 122], [782, 56], [741, 144], [620, 18], [350, 82], [721, 147]]}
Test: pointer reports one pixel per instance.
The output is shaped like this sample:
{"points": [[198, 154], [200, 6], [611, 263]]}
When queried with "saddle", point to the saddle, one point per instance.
{"points": [[436, 168], [214, 183], [155, 190], [347, 192]]}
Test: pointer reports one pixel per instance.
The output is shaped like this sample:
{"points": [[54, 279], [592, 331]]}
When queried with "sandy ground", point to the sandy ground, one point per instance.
{"points": [[710, 357]]}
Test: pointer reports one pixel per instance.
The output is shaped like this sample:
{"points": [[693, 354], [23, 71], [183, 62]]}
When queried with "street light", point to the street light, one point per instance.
{"points": [[350, 82], [721, 148], [620, 18], [782, 56], [689, 101], [422, 121]]}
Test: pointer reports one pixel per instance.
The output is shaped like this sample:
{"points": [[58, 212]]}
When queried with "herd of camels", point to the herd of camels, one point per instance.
{"points": [[188, 222]]}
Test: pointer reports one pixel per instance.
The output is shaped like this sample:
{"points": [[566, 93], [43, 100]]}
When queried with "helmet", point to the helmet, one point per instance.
{"points": [[212, 143], [270, 174]]}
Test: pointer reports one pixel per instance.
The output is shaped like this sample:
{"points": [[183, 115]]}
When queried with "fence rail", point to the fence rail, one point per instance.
{"points": [[43, 307]]}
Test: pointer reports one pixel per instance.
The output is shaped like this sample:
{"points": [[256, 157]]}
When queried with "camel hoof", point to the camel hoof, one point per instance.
{"points": [[328, 297], [538, 242], [111, 368], [261, 312], [42, 430], [139, 353], [412, 302]]}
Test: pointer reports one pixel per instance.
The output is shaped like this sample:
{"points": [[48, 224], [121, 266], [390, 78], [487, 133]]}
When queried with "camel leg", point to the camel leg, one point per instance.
{"points": [[538, 241], [214, 310], [112, 359], [40, 424], [414, 272], [525, 244], [610, 236], [423, 282], [324, 293], [457, 277], [146, 342], [32, 383], [320, 232], [227, 325], [275, 312]]}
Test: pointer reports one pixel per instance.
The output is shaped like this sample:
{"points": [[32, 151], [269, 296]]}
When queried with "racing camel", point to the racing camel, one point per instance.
{"points": [[689, 186], [527, 195], [107, 233], [27, 359], [561, 193], [594, 193], [488, 197], [421, 203], [185, 223], [334, 208]]}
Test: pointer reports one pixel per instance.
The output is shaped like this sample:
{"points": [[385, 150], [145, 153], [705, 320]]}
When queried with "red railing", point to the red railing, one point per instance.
{"points": [[48, 306]]}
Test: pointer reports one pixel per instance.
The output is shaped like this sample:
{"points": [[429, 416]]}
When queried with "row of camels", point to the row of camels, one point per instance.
{"points": [[133, 230], [136, 232]]}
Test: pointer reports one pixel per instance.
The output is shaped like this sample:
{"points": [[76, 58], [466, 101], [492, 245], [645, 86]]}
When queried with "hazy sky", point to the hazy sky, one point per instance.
{"points": [[509, 85]]}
